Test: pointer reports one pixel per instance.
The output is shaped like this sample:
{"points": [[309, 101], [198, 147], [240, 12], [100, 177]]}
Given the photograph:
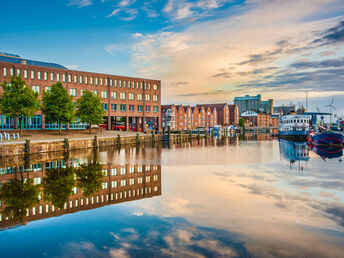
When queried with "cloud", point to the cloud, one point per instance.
{"points": [[137, 35], [183, 9], [123, 11], [80, 3], [333, 35], [319, 64], [125, 3], [112, 48], [72, 66]]}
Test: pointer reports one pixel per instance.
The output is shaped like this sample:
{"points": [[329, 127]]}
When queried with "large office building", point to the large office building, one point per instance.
{"points": [[254, 103], [131, 104]]}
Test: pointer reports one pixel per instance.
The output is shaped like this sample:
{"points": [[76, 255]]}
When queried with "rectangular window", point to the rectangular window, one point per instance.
{"points": [[96, 81], [123, 171], [123, 182], [122, 107], [72, 92], [86, 80], [63, 77], [51, 76], [47, 88], [124, 84], [45, 76], [139, 108], [114, 184], [91, 80], [101, 81], [39, 75], [111, 82], [156, 109], [104, 106], [137, 85], [25, 74], [114, 172], [104, 94], [75, 79], [131, 181], [36, 89], [139, 180], [120, 83], [155, 98], [80, 79], [113, 107], [148, 97], [32, 74], [147, 179], [131, 108], [122, 95], [4, 71], [116, 83], [131, 96], [11, 72], [129, 84], [58, 77], [148, 108], [69, 78], [18, 72], [114, 95], [105, 185], [139, 168], [149, 86], [106, 82], [139, 96]]}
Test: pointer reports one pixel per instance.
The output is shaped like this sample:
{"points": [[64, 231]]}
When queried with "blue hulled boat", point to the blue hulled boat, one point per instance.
{"points": [[328, 139], [328, 152]]}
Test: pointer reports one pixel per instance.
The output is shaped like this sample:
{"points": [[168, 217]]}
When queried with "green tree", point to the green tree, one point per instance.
{"points": [[241, 122], [18, 196], [58, 106], [90, 178], [89, 109], [58, 185], [18, 100]]}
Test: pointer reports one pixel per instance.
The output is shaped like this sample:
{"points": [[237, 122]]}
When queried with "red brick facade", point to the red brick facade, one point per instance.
{"points": [[138, 100]]}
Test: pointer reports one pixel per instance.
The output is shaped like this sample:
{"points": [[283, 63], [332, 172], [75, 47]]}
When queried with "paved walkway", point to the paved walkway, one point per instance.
{"points": [[46, 136]]}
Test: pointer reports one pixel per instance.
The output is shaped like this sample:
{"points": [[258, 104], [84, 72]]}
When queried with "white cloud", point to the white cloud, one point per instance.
{"points": [[137, 35], [112, 48], [72, 66], [80, 3], [125, 3]]}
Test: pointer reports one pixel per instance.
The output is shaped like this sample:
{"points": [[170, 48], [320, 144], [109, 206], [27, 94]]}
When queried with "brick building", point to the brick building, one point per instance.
{"points": [[169, 116], [233, 114], [181, 118], [188, 117], [130, 103], [196, 117]]}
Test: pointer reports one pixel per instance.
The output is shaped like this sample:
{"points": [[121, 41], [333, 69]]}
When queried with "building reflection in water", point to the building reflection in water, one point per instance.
{"points": [[51, 185], [294, 152]]}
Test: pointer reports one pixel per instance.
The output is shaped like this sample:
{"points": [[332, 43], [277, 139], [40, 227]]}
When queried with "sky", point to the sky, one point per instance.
{"points": [[202, 50]]}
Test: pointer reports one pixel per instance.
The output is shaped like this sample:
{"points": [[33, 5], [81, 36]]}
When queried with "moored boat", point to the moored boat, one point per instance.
{"points": [[294, 127], [327, 139]]}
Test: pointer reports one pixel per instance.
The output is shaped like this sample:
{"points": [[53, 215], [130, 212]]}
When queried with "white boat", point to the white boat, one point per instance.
{"points": [[294, 127]]}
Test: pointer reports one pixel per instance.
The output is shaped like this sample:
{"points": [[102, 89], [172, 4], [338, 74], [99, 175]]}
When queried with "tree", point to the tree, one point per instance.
{"points": [[58, 185], [18, 100], [90, 178], [241, 122], [18, 196], [58, 106], [89, 109]]}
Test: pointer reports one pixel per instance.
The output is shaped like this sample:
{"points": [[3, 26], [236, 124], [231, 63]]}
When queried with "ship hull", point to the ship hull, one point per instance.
{"points": [[328, 139], [293, 135]]}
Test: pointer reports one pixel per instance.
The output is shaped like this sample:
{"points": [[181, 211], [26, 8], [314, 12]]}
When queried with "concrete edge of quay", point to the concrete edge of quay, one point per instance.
{"points": [[60, 145]]}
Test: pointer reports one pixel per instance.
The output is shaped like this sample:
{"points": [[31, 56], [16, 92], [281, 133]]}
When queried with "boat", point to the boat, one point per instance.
{"points": [[294, 127], [327, 138]]}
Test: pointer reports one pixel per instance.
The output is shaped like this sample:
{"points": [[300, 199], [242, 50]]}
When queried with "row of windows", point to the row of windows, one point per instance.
{"points": [[131, 170], [123, 107], [104, 94], [79, 79], [86, 201]]}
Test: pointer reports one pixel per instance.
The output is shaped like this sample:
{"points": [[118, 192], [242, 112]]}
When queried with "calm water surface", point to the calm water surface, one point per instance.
{"points": [[256, 197]]}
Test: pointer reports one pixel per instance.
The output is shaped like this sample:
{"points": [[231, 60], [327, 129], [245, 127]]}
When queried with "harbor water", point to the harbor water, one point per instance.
{"points": [[254, 196]]}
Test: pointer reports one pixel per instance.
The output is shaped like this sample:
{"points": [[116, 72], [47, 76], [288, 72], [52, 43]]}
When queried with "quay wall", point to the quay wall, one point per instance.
{"points": [[16, 149]]}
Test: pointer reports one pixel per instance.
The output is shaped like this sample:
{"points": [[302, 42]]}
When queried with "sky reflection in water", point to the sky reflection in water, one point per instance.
{"points": [[247, 198]]}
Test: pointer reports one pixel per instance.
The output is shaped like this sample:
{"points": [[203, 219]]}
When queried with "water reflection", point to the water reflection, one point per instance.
{"points": [[59, 186], [328, 152]]}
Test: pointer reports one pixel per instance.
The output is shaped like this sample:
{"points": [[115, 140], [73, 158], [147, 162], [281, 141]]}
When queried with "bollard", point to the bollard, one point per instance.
{"points": [[66, 144], [137, 139], [95, 142], [153, 137], [118, 141], [180, 136], [198, 135], [27, 147]]}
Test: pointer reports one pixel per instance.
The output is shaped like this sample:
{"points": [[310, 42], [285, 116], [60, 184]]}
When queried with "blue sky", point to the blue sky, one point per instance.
{"points": [[202, 50]]}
